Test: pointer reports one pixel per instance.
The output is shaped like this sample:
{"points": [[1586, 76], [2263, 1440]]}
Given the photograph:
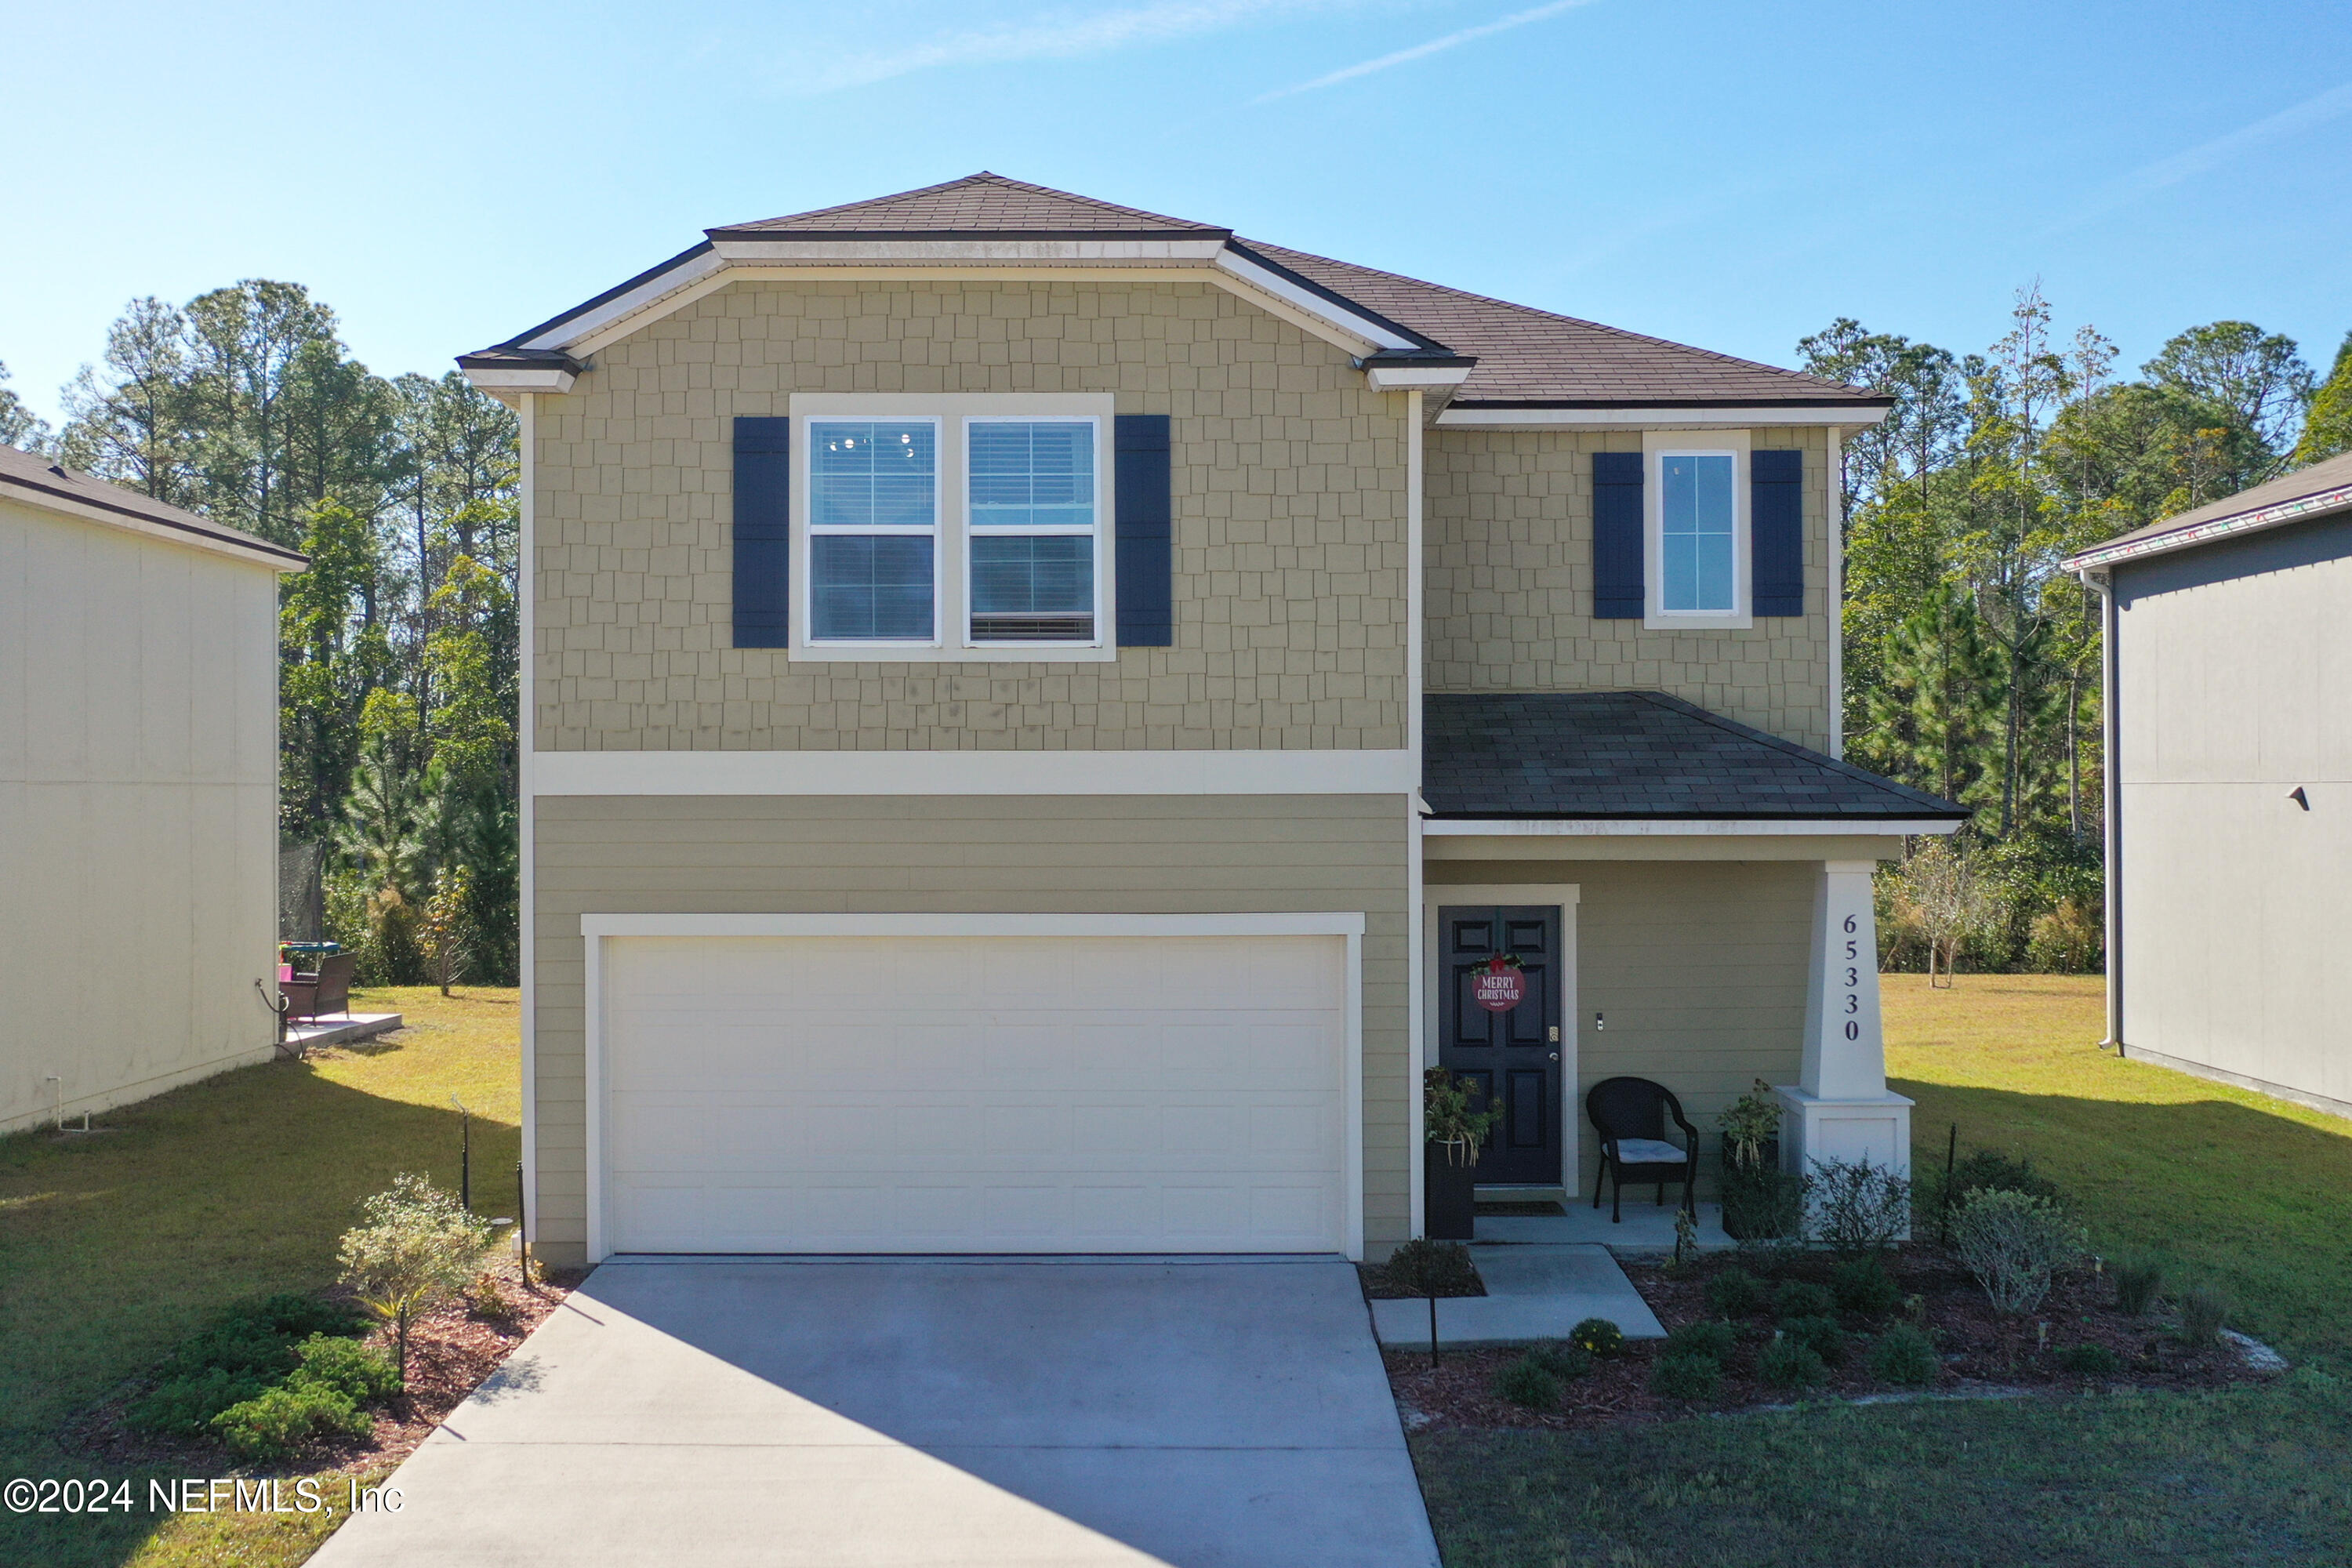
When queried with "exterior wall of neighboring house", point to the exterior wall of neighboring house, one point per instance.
{"points": [[1289, 493], [138, 813], [1047, 855], [2235, 674], [1508, 547], [1696, 967]]}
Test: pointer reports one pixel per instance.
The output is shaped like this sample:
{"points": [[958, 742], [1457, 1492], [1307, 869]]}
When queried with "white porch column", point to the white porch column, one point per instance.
{"points": [[1839, 1108]]}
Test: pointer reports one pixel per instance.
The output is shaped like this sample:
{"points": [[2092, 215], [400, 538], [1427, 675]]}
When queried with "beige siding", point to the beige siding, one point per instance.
{"points": [[1137, 855], [2236, 676], [138, 813], [1697, 966], [1290, 525], [1510, 557]]}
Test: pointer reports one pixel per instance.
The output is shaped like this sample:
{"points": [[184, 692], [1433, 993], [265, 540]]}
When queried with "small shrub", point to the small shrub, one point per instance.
{"points": [[1762, 1203], [1905, 1355], [487, 1298], [2065, 941], [1802, 1299], [1427, 1267], [276, 1424], [184, 1406], [2014, 1244], [1735, 1293], [361, 1374], [1525, 1382], [1858, 1207], [1789, 1364], [1561, 1357], [2090, 1360], [414, 1248], [1597, 1336], [1820, 1335], [1862, 1284], [2203, 1310], [1690, 1377], [2139, 1279], [1712, 1340]]}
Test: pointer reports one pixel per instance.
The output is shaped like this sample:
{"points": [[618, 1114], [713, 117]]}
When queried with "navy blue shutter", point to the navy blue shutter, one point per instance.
{"points": [[1617, 536], [1143, 534], [1776, 531], [763, 531]]}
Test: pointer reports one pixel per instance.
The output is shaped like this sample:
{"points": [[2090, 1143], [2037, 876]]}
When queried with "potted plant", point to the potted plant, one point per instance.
{"points": [[1760, 1201], [1454, 1132]]}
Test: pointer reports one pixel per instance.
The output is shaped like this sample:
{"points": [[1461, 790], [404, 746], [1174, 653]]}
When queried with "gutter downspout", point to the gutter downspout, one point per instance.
{"points": [[2111, 797]]}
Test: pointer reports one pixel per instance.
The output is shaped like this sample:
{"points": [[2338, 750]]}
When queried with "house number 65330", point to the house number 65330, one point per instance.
{"points": [[1852, 982]]}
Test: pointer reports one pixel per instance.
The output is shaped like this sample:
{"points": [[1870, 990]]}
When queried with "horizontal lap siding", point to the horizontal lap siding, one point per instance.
{"points": [[1124, 855], [1699, 966]]}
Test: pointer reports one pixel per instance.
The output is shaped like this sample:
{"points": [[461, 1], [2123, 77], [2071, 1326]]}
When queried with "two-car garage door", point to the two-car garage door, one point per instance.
{"points": [[974, 1093]]}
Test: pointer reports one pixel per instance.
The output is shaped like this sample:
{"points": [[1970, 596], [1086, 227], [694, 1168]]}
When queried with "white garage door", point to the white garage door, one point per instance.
{"points": [[975, 1094]]}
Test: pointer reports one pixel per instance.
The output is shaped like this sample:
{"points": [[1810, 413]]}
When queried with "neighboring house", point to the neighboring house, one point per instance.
{"points": [[138, 793], [2229, 803], [1035, 708]]}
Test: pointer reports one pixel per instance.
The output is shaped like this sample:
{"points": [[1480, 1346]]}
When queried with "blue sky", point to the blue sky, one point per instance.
{"points": [[1727, 174]]}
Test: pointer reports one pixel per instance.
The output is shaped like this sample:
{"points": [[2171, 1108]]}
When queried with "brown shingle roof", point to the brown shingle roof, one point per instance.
{"points": [[982, 204], [36, 479], [2318, 479], [1526, 356]]}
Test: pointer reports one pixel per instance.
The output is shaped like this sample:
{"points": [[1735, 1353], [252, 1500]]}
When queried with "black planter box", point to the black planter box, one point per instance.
{"points": [[1449, 1198]]}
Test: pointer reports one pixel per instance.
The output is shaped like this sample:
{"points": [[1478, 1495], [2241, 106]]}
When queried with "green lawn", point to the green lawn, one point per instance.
{"points": [[2239, 1189], [112, 1248]]}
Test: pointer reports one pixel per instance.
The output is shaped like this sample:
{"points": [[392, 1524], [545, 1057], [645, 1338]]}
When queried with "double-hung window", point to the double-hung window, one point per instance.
{"points": [[1033, 530], [1698, 534], [873, 530]]}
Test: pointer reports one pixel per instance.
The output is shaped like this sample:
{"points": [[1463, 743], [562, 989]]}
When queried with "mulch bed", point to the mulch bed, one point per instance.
{"points": [[1982, 1353], [449, 1354]]}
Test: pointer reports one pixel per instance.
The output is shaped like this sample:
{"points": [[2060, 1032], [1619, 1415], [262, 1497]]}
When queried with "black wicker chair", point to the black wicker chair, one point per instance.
{"points": [[1630, 1115]]}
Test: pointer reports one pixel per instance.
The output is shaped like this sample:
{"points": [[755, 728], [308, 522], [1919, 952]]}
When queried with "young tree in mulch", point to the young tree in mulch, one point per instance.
{"points": [[416, 1248], [1430, 1269]]}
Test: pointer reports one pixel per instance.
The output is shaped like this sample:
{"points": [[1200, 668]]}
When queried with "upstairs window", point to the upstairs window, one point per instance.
{"points": [[874, 529], [1698, 555], [1033, 530]]}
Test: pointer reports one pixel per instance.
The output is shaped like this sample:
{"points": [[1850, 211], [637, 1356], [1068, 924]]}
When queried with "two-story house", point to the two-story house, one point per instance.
{"points": [[1034, 709]]}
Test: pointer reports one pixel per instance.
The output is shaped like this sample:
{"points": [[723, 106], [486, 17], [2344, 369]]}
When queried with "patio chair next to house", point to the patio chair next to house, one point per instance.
{"points": [[1630, 1115], [328, 991]]}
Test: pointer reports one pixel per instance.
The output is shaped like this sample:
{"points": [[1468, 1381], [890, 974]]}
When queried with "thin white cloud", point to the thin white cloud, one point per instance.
{"points": [[2205, 157], [1423, 52], [1060, 37]]}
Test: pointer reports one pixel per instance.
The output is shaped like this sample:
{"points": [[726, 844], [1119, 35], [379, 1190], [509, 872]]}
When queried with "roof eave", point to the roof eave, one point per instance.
{"points": [[2320, 503]]}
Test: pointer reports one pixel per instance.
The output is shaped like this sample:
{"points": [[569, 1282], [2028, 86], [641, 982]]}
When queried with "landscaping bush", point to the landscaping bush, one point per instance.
{"points": [[1761, 1202], [278, 1423], [1735, 1293], [1789, 1364], [1981, 1170], [1599, 1336], [1857, 1206], [1712, 1340], [1862, 1284], [1684, 1376], [2139, 1279], [236, 1357], [184, 1406], [2090, 1360], [416, 1248], [2015, 1244], [1524, 1382], [1906, 1355], [487, 1298], [361, 1374], [1563, 1358], [1802, 1299], [1427, 1267], [1820, 1335], [2203, 1310]]}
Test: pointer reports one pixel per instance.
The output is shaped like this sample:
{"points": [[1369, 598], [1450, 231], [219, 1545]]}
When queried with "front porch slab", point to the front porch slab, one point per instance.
{"points": [[1648, 1229], [300, 1037], [1533, 1292]]}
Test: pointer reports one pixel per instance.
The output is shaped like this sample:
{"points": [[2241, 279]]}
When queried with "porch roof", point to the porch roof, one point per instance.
{"points": [[1638, 754]]}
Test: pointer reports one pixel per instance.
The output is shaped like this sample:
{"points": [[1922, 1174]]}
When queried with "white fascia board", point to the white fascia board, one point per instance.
{"points": [[972, 773], [933, 252], [1342, 922], [515, 382], [1670, 828], [1269, 281], [2220, 527], [1694, 418], [1406, 378], [574, 328]]}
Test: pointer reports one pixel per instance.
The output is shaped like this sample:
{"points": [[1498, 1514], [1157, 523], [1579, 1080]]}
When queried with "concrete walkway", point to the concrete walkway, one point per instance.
{"points": [[874, 1412], [1533, 1292]]}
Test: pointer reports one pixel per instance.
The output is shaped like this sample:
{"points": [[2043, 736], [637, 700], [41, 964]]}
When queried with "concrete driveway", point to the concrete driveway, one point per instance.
{"points": [[864, 1413]]}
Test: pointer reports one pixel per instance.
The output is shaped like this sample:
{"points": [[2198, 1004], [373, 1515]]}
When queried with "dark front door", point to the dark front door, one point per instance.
{"points": [[1514, 1056]]}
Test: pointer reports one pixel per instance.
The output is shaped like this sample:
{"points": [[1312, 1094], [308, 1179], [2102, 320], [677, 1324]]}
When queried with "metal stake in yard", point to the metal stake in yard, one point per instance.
{"points": [[465, 1154]]}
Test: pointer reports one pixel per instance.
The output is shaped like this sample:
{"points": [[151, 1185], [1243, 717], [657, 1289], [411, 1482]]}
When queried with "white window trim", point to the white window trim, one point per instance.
{"points": [[1656, 446], [953, 413], [1094, 531], [805, 535]]}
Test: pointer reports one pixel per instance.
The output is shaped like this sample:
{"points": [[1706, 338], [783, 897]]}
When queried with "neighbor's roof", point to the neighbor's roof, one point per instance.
{"points": [[2325, 487], [1632, 754], [1526, 357], [38, 482]]}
